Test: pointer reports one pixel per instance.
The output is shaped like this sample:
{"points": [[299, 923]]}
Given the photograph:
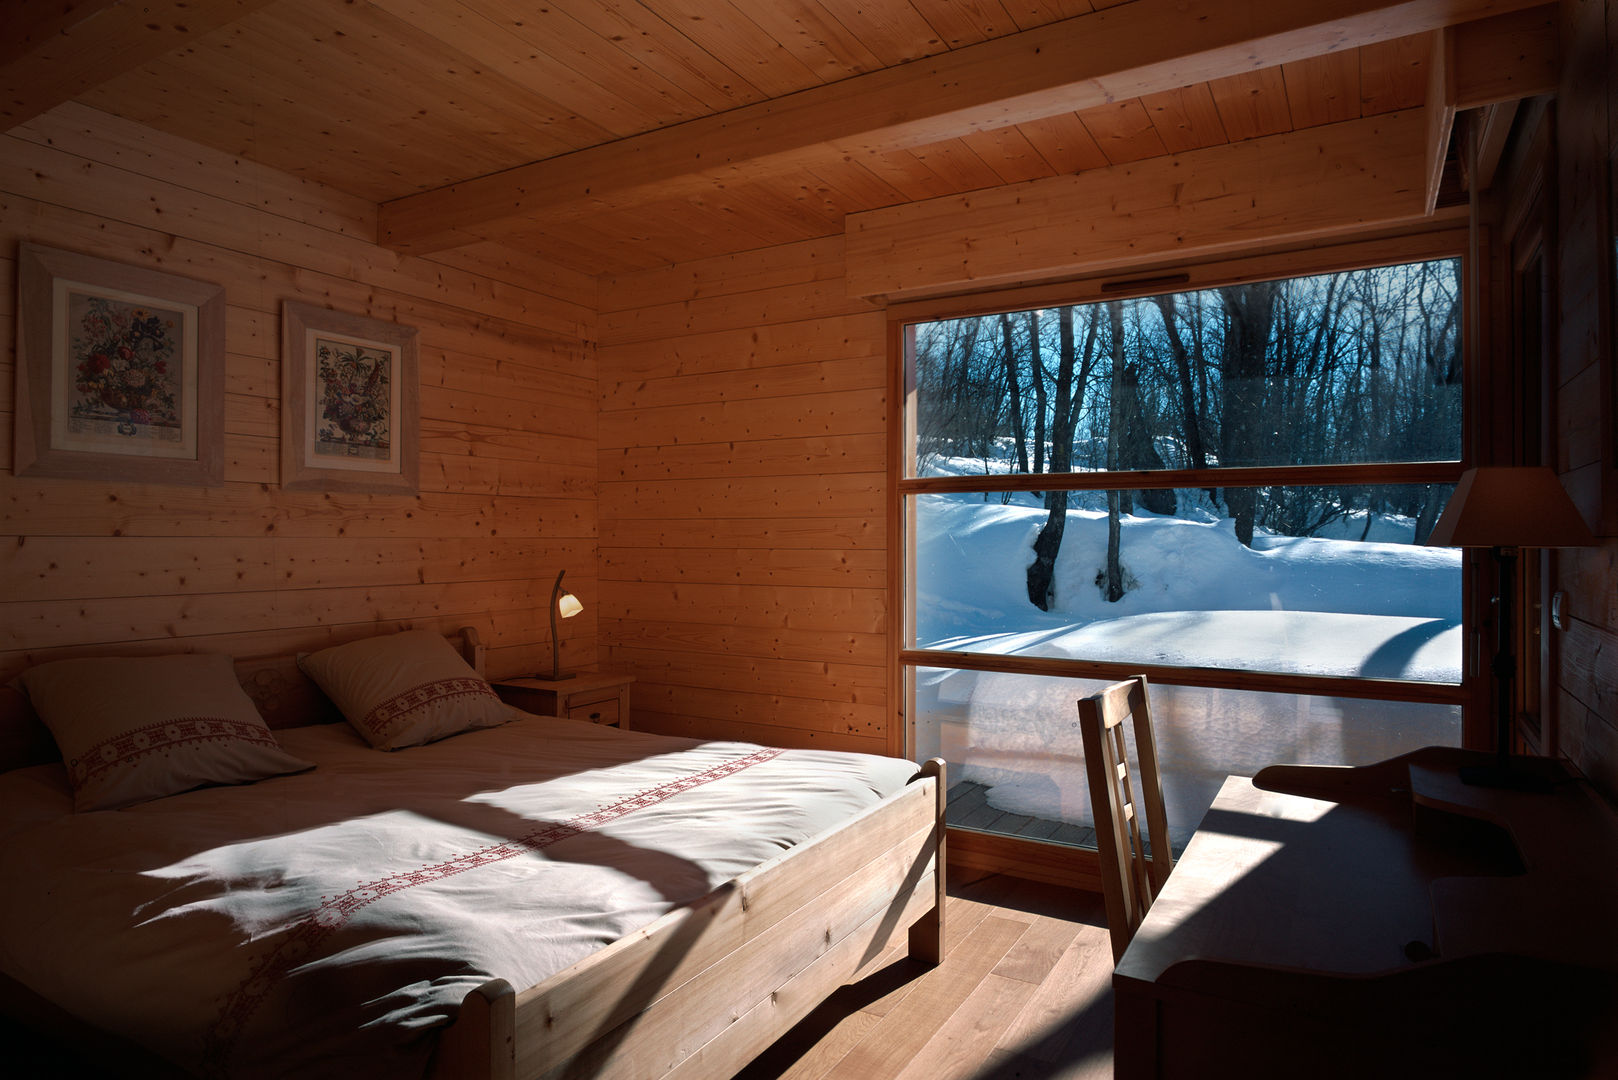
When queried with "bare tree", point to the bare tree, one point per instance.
{"points": [[1019, 429], [1249, 318], [1072, 375], [1114, 588]]}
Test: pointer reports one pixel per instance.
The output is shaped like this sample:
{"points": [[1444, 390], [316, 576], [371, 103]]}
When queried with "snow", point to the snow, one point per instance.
{"points": [[1325, 605]]}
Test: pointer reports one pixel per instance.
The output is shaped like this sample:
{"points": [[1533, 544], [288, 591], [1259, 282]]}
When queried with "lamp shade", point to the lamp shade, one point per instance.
{"points": [[1510, 506], [568, 605]]}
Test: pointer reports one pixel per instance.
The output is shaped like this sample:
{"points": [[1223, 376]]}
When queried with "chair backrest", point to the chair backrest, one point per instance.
{"points": [[1129, 879]]}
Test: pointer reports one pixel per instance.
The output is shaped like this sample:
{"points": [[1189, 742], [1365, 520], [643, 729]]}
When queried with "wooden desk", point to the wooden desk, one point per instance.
{"points": [[1384, 921]]}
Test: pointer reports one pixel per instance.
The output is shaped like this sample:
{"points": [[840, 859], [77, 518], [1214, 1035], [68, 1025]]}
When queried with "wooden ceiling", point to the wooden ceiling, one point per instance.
{"points": [[615, 135]]}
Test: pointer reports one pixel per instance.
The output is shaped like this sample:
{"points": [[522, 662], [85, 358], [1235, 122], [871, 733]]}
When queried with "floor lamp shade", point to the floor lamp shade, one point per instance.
{"points": [[1510, 507], [1506, 509]]}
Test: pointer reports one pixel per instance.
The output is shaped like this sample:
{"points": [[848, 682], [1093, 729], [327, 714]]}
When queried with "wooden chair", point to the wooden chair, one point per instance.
{"points": [[1129, 879]]}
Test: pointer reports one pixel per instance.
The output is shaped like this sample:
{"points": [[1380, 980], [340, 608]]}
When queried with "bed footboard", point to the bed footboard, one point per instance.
{"points": [[701, 991]]}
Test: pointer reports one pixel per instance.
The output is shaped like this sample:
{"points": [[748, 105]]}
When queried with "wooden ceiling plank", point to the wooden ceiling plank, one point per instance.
{"points": [[534, 87], [285, 61], [1141, 47], [785, 211], [188, 98], [857, 186], [1009, 153], [1393, 74], [903, 170], [657, 46], [1186, 118], [1065, 142], [1323, 89], [1252, 104], [814, 35], [957, 23], [1331, 180], [54, 52], [1028, 14], [543, 43], [737, 41], [954, 162], [896, 33], [1124, 131]]}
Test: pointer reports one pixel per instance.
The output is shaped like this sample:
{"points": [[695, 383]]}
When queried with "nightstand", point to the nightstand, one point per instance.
{"points": [[601, 697]]}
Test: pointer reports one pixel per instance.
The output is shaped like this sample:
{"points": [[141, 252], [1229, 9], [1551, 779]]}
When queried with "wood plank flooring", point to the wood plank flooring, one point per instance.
{"points": [[1024, 993]]}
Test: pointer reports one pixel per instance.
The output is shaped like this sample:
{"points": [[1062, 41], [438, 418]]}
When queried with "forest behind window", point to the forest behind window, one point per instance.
{"points": [[1232, 479], [1357, 367]]}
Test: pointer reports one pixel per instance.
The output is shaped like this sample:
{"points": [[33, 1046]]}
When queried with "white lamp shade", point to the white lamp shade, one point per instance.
{"points": [[1518, 506], [567, 605]]}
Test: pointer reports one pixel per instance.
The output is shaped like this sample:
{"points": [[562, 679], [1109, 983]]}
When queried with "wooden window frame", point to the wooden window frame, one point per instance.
{"points": [[1034, 858]]}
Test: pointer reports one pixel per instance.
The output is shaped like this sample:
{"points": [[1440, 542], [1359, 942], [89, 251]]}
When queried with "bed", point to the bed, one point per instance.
{"points": [[554, 899]]}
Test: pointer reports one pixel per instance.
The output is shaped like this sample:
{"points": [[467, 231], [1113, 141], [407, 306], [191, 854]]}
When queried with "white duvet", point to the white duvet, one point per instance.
{"points": [[327, 923]]}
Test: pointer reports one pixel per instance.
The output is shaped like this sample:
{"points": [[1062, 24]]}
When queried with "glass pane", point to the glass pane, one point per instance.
{"points": [[1362, 366], [1017, 762], [1329, 580]]}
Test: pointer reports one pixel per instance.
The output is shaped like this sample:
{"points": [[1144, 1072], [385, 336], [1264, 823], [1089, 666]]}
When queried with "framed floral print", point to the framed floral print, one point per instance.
{"points": [[349, 413], [120, 371]]}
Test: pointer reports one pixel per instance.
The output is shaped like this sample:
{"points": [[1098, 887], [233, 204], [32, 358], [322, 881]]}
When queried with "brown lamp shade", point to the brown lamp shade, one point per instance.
{"points": [[1519, 506]]}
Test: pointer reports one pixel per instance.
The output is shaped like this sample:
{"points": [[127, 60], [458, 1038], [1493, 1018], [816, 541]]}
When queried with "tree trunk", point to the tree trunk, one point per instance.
{"points": [[1136, 448], [1115, 568], [1192, 416], [1019, 431], [1048, 544], [1036, 367], [1249, 317]]}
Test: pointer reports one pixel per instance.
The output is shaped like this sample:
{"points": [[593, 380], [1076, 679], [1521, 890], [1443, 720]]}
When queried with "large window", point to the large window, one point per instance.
{"points": [[1227, 488]]}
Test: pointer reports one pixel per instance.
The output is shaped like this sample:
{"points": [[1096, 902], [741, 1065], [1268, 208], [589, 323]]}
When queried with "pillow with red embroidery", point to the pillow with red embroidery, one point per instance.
{"points": [[404, 689], [136, 728]]}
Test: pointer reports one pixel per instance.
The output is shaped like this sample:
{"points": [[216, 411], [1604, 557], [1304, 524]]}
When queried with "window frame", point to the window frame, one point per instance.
{"points": [[1437, 243]]}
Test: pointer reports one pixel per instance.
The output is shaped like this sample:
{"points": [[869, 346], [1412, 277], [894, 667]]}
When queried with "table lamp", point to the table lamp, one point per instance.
{"points": [[566, 605], [1506, 509]]}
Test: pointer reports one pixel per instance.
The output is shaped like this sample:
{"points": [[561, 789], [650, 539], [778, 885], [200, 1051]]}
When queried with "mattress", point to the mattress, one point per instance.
{"points": [[328, 923]]}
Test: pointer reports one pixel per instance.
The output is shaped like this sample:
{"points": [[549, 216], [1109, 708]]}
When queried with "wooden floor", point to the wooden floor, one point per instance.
{"points": [[1024, 993]]}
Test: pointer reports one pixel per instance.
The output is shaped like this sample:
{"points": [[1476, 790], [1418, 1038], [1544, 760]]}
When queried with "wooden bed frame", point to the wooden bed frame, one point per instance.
{"points": [[696, 994]]}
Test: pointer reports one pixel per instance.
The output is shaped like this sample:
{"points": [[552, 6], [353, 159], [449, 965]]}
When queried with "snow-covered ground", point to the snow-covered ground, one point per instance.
{"points": [[1379, 608]]}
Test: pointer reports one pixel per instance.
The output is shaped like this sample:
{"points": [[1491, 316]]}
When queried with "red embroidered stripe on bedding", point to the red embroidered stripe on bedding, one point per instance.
{"points": [[381, 718], [157, 738], [303, 940]]}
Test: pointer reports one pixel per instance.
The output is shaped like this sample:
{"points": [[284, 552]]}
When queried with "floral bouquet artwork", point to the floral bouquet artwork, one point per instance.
{"points": [[354, 391], [120, 371], [127, 370]]}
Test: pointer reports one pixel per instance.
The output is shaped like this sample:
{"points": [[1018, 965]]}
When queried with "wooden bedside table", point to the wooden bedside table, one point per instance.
{"points": [[601, 697]]}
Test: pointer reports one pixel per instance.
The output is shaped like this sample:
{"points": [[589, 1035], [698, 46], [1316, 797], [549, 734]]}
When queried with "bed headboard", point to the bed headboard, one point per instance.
{"points": [[285, 697]]}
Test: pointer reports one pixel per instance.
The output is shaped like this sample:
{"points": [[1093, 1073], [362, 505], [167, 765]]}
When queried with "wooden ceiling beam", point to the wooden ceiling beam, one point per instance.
{"points": [[1333, 180], [1111, 55], [53, 52], [1483, 63]]}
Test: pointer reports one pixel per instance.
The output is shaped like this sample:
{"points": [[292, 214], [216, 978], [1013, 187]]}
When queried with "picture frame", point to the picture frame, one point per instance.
{"points": [[120, 371], [350, 414]]}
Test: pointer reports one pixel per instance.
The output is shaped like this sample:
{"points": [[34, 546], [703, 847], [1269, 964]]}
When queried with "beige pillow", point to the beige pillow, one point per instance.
{"points": [[404, 689], [137, 728]]}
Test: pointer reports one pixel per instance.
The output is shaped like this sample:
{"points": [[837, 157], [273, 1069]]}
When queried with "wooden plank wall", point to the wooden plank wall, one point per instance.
{"points": [[744, 499], [508, 426], [1586, 397]]}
